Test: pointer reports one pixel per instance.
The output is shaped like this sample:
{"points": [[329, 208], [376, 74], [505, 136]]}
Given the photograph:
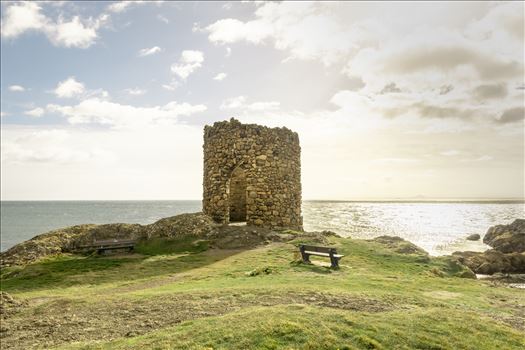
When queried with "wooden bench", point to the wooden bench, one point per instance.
{"points": [[307, 250], [110, 244]]}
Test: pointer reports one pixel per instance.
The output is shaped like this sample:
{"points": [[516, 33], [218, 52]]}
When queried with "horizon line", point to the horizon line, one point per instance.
{"points": [[410, 199]]}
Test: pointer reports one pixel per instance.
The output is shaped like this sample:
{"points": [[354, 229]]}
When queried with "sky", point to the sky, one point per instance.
{"points": [[407, 100]]}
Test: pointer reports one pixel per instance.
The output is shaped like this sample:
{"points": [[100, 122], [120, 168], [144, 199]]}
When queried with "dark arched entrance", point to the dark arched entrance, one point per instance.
{"points": [[238, 196]]}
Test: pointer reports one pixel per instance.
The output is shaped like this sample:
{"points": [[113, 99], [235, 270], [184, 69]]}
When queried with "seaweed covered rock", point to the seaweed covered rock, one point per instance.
{"points": [[507, 238]]}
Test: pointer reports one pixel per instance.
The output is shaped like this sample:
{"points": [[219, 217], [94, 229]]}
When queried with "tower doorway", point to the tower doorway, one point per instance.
{"points": [[238, 196]]}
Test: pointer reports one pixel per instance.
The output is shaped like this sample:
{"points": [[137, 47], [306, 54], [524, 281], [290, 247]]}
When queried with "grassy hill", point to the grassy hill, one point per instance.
{"points": [[182, 294]]}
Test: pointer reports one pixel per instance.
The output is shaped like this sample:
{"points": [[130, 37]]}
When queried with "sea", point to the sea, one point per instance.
{"points": [[438, 227]]}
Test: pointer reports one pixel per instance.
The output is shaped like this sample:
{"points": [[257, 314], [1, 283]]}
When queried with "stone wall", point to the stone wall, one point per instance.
{"points": [[252, 172]]}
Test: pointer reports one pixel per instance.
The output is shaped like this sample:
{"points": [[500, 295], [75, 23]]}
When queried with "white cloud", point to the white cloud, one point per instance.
{"points": [[220, 76], [483, 158], [171, 86], [27, 16], [240, 103], [48, 146], [163, 19], [43, 163], [189, 61], [122, 6], [394, 160], [234, 103], [135, 91], [17, 88], [69, 88], [35, 112], [307, 30], [21, 17], [98, 111], [450, 153], [232, 30], [149, 51], [75, 33], [4, 114]]}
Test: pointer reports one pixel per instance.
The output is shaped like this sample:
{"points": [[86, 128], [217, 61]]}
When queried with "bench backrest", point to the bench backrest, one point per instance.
{"points": [[318, 249], [109, 243]]}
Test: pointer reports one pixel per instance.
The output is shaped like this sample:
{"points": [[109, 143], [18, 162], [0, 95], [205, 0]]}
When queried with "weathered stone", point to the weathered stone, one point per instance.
{"points": [[256, 170], [473, 237], [492, 261], [507, 238]]}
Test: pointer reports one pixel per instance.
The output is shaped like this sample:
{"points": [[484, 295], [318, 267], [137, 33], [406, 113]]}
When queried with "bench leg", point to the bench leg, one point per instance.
{"points": [[334, 262], [306, 257]]}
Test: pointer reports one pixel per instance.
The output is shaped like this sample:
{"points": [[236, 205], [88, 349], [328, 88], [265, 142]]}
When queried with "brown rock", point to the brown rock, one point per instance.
{"points": [[507, 238], [492, 261]]}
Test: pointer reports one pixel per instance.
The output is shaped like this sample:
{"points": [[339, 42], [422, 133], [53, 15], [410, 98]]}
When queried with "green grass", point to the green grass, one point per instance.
{"points": [[306, 327], [264, 298], [158, 246]]}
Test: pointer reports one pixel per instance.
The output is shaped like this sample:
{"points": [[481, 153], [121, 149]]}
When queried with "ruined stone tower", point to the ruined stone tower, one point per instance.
{"points": [[252, 173]]}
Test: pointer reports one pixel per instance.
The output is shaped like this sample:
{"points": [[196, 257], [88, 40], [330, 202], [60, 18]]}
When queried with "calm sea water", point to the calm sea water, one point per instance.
{"points": [[439, 228]]}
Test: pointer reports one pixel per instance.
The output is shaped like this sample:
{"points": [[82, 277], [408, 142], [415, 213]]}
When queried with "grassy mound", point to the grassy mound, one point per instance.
{"points": [[186, 294]]}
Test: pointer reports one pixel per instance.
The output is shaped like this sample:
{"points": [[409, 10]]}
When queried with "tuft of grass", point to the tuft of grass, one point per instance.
{"points": [[260, 271]]}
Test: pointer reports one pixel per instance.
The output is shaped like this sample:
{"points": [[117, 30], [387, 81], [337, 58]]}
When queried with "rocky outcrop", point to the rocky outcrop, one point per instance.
{"points": [[492, 261], [69, 238], [196, 224], [50, 243], [508, 255], [507, 238]]}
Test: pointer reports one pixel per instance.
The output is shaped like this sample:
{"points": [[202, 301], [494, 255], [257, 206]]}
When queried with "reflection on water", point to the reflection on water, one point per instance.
{"points": [[439, 228]]}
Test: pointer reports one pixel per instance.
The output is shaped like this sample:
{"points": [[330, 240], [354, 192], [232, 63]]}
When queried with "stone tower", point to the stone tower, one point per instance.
{"points": [[252, 173]]}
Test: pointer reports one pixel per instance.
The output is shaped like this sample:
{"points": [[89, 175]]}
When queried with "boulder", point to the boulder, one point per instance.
{"points": [[507, 238], [473, 237], [195, 224], [492, 261]]}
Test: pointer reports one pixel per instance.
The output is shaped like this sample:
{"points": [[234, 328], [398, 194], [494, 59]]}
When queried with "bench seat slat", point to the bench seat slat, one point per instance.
{"points": [[322, 254], [316, 253]]}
